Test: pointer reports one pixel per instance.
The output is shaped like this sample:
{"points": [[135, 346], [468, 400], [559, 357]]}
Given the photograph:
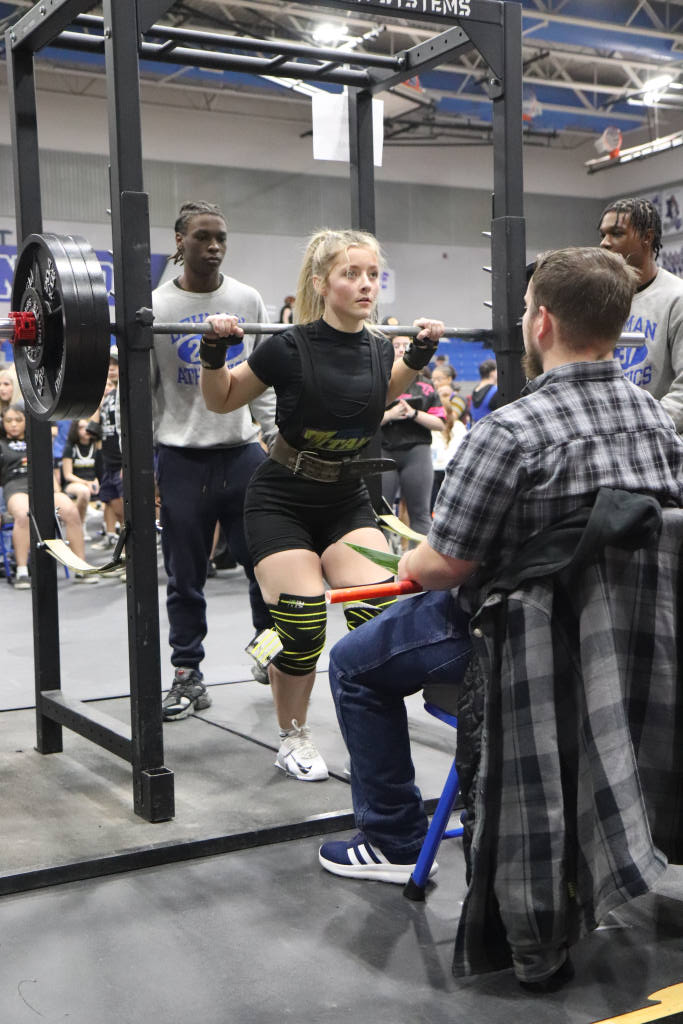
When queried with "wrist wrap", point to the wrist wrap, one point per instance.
{"points": [[212, 353], [419, 353]]}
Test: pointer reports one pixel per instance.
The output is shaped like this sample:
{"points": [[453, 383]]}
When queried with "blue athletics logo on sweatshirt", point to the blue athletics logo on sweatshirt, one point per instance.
{"points": [[187, 349], [633, 362]]}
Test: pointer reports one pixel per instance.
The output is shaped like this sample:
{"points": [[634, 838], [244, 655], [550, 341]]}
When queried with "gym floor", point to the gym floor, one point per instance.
{"points": [[259, 933]]}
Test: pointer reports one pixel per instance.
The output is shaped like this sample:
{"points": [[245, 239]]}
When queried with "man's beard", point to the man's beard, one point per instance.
{"points": [[532, 365]]}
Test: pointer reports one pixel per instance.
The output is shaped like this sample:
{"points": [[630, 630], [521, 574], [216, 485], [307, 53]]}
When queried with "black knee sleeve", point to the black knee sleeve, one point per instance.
{"points": [[300, 623], [358, 612]]}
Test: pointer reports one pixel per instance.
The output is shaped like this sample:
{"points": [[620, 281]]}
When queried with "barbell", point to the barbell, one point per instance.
{"points": [[61, 331], [393, 331]]}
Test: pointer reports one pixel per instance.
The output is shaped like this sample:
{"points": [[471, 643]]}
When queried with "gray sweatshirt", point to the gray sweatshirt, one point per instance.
{"points": [[181, 418], [657, 365]]}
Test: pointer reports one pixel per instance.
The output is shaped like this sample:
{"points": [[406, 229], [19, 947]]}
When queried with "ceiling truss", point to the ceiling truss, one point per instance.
{"points": [[583, 71]]}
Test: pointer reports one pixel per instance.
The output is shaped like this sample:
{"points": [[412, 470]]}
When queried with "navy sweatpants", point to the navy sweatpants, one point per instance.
{"points": [[199, 487]]}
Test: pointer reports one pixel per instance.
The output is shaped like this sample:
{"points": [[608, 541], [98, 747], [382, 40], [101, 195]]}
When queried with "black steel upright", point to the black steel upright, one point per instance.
{"points": [[142, 742], [361, 160], [152, 782], [28, 213], [508, 236], [494, 28], [362, 183]]}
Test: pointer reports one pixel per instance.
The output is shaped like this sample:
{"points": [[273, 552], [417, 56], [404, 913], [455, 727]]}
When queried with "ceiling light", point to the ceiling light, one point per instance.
{"points": [[653, 92], [647, 99], [658, 83], [328, 33]]}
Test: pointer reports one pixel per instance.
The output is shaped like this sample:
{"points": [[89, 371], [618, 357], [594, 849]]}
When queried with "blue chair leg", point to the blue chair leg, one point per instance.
{"points": [[415, 886], [6, 547]]}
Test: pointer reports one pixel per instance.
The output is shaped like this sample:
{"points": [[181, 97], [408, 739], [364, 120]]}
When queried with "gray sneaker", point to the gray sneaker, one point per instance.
{"points": [[260, 673], [187, 695]]}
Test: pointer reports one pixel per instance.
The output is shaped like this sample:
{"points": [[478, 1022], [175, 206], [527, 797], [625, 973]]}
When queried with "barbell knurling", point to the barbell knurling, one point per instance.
{"points": [[405, 330]]}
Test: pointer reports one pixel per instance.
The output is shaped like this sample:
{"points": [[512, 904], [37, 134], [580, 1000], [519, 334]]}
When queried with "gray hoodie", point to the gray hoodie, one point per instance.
{"points": [[181, 418], [657, 365]]}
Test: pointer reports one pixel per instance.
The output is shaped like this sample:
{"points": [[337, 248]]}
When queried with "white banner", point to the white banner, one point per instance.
{"points": [[331, 127]]}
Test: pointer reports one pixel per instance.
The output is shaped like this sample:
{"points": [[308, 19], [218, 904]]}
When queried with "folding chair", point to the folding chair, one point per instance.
{"points": [[436, 697]]}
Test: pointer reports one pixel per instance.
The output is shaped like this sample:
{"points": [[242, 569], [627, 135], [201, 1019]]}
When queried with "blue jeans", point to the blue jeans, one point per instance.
{"points": [[200, 487], [424, 639]]}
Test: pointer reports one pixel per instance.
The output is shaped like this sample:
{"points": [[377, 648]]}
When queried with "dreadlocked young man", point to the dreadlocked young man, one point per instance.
{"points": [[204, 461], [633, 228]]}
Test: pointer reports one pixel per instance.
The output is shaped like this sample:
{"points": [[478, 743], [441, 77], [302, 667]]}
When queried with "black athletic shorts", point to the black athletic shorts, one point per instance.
{"points": [[283, 511], [111, 484], [15, 485]]}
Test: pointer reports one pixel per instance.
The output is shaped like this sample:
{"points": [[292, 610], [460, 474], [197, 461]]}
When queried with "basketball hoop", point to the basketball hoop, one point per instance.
{"points": [[531, 108], [609, 142]]}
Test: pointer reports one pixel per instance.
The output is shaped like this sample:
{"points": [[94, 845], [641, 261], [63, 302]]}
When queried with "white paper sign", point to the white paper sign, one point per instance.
{"points": [[331, 127]]}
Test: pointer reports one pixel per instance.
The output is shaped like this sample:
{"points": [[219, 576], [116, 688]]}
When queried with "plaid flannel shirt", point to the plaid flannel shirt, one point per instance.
{"points": [[579, 796], [528, 465]]}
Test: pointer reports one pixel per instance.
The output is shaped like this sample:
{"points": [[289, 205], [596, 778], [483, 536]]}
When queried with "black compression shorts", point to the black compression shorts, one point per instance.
{"points": [[283, 512], [17, 485]]}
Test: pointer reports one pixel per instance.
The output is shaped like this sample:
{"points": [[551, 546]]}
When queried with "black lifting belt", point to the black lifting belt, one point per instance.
{"points": [[325, 471]]}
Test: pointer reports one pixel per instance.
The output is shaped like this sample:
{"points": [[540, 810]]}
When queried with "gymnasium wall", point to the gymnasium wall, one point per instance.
{"points": [[431, 233], [255, 160]]}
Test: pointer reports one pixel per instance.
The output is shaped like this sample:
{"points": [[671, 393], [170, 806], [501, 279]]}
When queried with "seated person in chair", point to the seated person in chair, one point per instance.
{"points": [[579, 426], [14, 481]]}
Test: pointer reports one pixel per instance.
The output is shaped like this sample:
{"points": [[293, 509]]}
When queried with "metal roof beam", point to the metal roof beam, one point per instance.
{"points": [[558, 107], [593, 58], [598, 25], [380, 10], [643, 5]]}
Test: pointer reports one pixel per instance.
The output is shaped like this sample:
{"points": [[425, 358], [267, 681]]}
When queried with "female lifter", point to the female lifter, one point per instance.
{"points": [[333, 377]]}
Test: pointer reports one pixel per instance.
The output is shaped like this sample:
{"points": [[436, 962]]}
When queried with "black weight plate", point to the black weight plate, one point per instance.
{"points": [[90, 362], [74, 383], [43, 283], [63, 375], [87, 355]]}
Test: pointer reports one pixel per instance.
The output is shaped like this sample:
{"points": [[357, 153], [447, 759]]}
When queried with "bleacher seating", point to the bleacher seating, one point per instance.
{"points": [[465, 357]]}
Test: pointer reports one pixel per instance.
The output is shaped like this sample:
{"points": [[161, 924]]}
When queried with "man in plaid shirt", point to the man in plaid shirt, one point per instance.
{"points": [[580, 426]]}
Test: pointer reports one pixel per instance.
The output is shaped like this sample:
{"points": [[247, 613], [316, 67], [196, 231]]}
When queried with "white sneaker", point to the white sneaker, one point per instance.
{"points": [[85, 577], [299, 757], [108, 541]]}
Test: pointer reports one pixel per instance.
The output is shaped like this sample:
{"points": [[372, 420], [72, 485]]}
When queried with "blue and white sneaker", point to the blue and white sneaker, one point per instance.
{"points": [[356, 858]]}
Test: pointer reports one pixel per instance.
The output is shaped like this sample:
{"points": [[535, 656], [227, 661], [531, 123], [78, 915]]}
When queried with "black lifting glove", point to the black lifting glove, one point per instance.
{"points": [[419, 352], [212, 351]]}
